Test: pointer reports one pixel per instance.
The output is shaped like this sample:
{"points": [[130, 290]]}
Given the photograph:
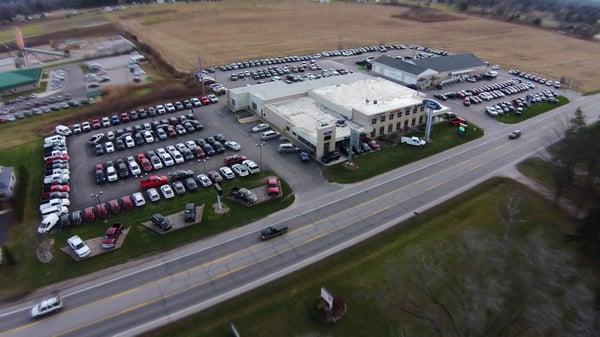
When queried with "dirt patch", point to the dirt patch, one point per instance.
{"points": [[91, 31], [149, 13], [427, 15], [95, 246]]}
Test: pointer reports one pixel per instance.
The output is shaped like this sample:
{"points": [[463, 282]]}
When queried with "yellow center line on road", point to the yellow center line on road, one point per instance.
{"points": [[226, 257]]}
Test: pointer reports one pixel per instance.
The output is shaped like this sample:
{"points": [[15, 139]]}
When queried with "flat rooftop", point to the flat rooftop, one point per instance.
{"points": [[307, 115], [277, 89], [369, 96]]}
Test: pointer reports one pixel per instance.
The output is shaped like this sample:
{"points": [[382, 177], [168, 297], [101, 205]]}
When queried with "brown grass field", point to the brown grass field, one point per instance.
{"points": [[236, 30]]}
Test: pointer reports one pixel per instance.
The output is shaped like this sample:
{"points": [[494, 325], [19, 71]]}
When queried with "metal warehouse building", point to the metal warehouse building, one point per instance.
{"points": [[423, 73], [14, 82], [318, 115]]}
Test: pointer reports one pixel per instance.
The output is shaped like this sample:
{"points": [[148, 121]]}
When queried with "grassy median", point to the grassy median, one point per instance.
{"points": [[532, 111], [28, 273], [282, 307], [371, 164]]}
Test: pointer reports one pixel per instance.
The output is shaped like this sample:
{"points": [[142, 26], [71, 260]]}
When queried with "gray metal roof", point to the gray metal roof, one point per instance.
{"points": [[450, 63], [400, 65], [437, 63]]}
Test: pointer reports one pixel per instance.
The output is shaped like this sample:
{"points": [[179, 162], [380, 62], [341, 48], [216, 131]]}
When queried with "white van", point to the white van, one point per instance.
{"points": [[286, 148], [58, 210], [48, 223]]}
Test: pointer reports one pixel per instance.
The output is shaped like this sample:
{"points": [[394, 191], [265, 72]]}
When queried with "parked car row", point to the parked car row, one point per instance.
{"points": [[518, 105], [57, 77], [39, 108], [55, 194], [146, 133], [328, 53], [536, 78], [153, 111], [366, 144]]}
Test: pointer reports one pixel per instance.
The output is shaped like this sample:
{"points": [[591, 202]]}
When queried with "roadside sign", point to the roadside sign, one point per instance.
{"points": [[327, 297]]}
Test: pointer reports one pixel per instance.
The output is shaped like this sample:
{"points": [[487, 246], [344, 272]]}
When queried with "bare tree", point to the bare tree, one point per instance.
{"points": [[488, 285]]}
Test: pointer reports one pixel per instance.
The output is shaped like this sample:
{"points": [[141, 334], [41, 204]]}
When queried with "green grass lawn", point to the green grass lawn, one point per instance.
{"points": [[281, 308], [371, 164], [532, 111], [29, 273]]}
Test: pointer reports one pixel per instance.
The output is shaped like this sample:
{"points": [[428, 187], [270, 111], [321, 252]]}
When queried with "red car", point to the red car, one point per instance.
{"points": [[457, 121], [235, 159], [126, 202], [59, 188], [199, 152], [146, 165], [112, 235], [153, 182], [467, 101], [115, 208], [101, 211], [96, 124], [372, 143], [204, 100], [171, 131], [139, 157], [273, 186], [124, 117], [63, 157], [88, 214]]}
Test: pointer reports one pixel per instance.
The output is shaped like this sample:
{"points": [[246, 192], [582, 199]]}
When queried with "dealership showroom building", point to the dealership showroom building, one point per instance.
{"points": [[318, 115]]}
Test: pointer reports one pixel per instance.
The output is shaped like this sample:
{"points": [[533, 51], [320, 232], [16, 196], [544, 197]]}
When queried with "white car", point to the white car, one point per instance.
{"points": [[178, 157], [148, 137], [240, 170], [46, 307], [268, 135], [261, 127], [156, 163], [138, 199], [160, 109], [133, 166], [56, 177], [233, 146], [109, 147], [167, 191], [153, 194], [213, 98], [227, 173], [170, 107], [252, 167], [78, 246], [166, 158], [196, 102], [111, 174], [48, 223], [129, 142], [191, 145], [204, 180], [55, 202], [62, 130]]}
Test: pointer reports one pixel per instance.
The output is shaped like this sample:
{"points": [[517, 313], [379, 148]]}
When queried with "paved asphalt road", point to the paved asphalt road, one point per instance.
{"points": [[191, 278]]}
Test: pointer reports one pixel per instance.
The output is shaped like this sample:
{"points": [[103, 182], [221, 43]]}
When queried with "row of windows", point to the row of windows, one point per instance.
{"points": [[399, 126], [398, 114]]}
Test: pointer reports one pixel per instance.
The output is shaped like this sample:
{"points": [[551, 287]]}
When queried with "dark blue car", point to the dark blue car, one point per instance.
{"points": [[303, 156]]}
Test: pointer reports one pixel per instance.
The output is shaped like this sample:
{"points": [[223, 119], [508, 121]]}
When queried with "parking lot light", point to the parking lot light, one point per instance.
{"points": [[204, 163], [97, 195], [260, 165]]}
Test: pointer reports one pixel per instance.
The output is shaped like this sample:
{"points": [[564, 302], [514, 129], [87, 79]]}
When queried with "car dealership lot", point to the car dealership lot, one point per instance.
{"points": [[303, 177]]}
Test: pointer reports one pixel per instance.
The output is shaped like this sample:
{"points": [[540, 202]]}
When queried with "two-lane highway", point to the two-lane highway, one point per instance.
{"points": [[207, 272]]}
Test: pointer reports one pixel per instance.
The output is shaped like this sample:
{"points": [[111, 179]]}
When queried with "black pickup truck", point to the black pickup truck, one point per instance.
{"points": [[272, 231]]}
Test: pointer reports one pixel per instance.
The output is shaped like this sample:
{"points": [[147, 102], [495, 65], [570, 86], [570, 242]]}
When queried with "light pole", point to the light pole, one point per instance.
{"points": [[97, 195], [260, 165], [204, 163]]}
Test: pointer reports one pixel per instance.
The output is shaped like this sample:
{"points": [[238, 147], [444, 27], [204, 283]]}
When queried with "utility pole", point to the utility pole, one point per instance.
{"points": [[260, 165], [201, 75], [97, 195]]}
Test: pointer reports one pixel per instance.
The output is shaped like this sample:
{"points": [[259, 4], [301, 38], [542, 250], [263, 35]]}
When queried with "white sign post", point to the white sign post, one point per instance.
{"points": [[234, 331], [327, 297]]}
